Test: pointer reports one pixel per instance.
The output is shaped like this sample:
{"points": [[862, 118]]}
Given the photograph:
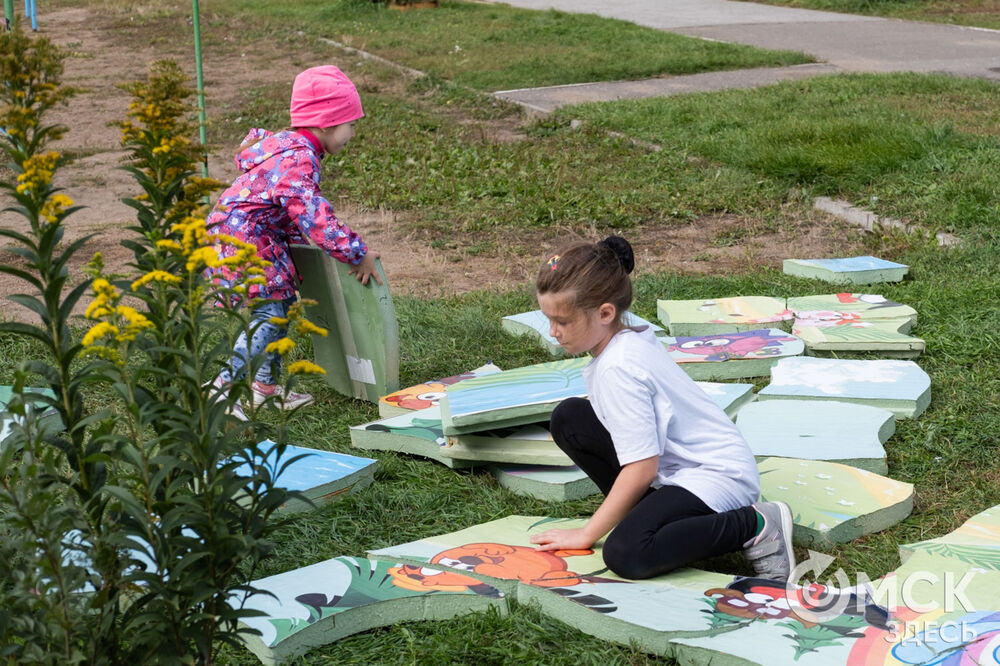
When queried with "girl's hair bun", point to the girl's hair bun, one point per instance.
{"points": [[622, 249]]}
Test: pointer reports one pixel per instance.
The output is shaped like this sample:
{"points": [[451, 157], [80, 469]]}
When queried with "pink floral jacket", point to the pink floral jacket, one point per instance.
{"points": [[276, 202]]}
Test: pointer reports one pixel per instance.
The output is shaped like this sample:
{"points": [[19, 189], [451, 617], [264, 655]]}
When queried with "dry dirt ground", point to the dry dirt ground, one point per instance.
{"points": [[99, 58]]}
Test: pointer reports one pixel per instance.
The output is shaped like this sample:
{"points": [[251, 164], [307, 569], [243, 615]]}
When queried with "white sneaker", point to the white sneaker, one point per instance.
{"points": [[287, 401], [221, 393]]}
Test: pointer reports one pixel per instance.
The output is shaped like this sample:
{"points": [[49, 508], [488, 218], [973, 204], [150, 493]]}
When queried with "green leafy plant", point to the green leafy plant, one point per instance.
{"points": [[128, 535]]}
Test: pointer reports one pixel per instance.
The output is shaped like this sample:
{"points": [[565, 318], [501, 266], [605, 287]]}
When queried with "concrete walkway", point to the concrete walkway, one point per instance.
{"points": [[842, 42]]}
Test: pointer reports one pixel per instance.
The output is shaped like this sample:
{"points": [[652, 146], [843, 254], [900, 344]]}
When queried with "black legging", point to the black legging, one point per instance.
{"points": [[669, 527]]}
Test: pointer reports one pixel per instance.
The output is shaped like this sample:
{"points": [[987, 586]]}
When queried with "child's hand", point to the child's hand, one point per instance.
{"points": [[366, 269], [563, 540]]}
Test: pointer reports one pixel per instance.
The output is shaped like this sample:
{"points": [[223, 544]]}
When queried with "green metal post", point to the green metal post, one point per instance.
{"points": [[8, 13], [201, 90]]}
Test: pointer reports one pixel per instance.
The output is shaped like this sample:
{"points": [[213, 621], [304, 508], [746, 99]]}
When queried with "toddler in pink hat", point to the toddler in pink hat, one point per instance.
{"points": [[276, 202]]}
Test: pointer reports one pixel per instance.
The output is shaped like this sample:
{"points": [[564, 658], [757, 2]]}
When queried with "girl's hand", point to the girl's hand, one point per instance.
{"points": [[563, 540], [366, 269]]}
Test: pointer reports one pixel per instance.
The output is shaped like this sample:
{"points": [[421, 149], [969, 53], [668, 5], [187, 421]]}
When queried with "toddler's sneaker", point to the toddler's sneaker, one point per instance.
{"points": [[262, 392], [221, 392], [770, 552]]}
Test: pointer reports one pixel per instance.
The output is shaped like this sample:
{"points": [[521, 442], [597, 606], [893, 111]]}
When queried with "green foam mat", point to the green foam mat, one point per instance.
{"points": [[417, 432], [545, 482], [902, 387], [733, 355], [324, 602], [512, 397], [847, 270], [360, 352], [722, 315], [536, 325], [833, 503], [818, 430]]}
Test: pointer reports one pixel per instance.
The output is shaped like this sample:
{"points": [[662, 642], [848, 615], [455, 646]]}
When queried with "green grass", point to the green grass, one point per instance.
{"points": [[495, 47], [413, 153], [917, 146], [980, 13]]}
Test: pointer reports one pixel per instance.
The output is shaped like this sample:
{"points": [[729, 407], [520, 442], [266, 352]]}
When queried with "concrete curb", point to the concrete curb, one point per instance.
{"points": [[869, 221]]}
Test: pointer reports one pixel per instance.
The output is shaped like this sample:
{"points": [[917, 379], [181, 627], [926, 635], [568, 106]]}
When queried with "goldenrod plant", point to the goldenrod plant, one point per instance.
{"points": [[127, 537]]}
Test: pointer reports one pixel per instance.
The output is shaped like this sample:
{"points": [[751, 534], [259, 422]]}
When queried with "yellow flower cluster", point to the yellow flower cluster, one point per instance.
{"points": [[282, 346], [105, 299], [155, 276], [126, 325], [297, 314], [168, 145], [54, 206], [98, 332], [16, 119], [37, 172], [136, 322], [305, 368]]}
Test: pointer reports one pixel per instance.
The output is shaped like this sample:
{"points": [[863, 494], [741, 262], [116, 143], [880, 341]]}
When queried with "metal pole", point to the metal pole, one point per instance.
{"points": [[201, 91], [8, 13]]}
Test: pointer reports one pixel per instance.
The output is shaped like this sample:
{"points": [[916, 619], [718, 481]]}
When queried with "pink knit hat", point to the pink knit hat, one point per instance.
{"points": [[323, 97]]}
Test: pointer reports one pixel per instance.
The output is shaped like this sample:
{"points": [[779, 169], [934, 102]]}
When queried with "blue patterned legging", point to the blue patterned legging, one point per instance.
{"points": [[263, 334]]}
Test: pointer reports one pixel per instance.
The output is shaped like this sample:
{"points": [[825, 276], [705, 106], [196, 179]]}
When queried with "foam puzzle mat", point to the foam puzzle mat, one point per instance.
{"points": [[528, 445], [847, 322], [360, 352], [847, 270], [545, 482], [722, 315], [976, 541], [324, 602], [833, 503], [512, 397], [700, 617], [733, 355], [818, 430], [902, 387], [320, 476], [426, 394]]}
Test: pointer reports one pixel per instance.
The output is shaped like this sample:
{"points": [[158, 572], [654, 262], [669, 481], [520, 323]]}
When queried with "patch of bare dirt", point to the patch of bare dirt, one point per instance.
{"points": [[105, 50]]}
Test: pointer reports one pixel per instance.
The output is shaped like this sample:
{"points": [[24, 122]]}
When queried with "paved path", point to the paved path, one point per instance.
{"points": [[842, 42]]}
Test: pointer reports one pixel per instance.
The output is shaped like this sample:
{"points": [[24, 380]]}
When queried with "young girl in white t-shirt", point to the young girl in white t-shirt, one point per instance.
{"points": [[679, 480]]}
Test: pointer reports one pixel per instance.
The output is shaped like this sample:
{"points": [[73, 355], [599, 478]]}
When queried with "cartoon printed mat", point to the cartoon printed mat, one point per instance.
{"points": [[427, 394], [722, 315], [850, 307], [324, 602], [977, 542], [818, 430], [902, 387], [732, 355], [699, 617], [416, 432], [833, 503], [321, 476], [512, 397], [847, 322]]}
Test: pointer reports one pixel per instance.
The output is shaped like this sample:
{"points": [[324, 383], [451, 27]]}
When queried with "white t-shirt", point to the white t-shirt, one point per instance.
{"points": [[652, 408]]}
